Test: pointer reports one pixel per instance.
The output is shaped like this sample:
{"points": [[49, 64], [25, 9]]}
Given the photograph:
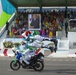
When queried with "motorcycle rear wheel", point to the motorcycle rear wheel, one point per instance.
{"points": [[38, 66]]}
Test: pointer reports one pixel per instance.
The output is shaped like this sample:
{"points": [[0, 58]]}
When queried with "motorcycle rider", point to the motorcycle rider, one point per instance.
{"points": [[29, 52]]}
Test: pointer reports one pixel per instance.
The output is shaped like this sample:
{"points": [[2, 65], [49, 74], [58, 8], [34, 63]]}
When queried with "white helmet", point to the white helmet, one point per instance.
{"points": [[17, 50]]}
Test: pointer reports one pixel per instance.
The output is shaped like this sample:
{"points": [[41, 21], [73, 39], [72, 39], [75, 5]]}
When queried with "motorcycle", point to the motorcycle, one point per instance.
{"points": [[36, 62]]}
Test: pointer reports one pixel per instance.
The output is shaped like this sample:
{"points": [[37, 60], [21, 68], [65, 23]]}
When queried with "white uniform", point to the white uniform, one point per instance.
{"points": [[27, 55], [36, 44]]}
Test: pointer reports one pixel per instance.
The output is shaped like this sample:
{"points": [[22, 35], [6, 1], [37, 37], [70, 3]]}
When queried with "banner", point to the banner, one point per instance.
{"points": [[6, 10], [0, 8]]}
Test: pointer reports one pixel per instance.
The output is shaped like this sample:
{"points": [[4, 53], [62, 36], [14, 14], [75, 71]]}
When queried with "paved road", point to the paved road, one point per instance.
{"points": [[53, 66]]}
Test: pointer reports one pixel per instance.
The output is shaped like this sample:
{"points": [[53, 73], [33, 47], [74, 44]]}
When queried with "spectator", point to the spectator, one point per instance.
{"points": [[55, 42], [7, 25], [66, 28], [11, 34], [8, 33]]}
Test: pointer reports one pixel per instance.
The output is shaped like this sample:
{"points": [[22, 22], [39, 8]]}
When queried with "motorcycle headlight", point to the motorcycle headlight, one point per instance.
{"points": [[13, 48]]}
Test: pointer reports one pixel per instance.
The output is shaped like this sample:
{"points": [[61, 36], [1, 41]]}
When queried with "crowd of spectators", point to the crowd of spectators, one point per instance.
{"points": [[51, 21], [20, 24]]}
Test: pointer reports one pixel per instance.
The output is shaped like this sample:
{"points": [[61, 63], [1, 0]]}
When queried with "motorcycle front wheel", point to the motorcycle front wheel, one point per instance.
{"points": [[15, 65], [38, 66]]}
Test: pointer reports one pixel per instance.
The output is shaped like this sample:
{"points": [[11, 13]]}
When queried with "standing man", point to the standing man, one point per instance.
{"points": [[7, 25], [66, 28]]}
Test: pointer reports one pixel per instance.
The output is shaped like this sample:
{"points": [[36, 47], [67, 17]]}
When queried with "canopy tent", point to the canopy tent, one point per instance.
{"points": [[41, 3]]}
